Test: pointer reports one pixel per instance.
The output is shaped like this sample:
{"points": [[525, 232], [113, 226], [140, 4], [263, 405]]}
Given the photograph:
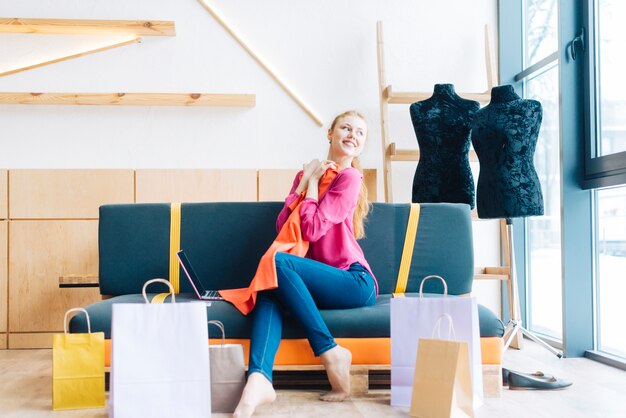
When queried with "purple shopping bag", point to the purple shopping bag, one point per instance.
{"points": [[413, 318]]}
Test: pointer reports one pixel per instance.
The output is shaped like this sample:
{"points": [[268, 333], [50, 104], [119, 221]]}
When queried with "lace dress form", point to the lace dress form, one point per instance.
{"points": [[504, 135], [442, 126]]}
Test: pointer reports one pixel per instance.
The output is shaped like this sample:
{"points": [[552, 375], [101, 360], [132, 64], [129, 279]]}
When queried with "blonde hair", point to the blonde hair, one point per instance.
{"points": [[362, 205]]}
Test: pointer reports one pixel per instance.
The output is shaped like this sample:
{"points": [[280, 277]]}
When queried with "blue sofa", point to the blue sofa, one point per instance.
{"points": [[224, 242]]}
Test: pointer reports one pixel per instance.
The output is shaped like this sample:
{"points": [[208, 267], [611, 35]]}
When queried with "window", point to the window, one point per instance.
{"points": [[541, 30], [611, 89], [607, 157], [605, 163], [544, 232], [611, 269], [580, 242], [540, 78]]}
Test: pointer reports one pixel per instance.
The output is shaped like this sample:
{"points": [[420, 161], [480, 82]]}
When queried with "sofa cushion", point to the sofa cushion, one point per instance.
{"points": [[366, 322], [224, 242], [443, 246], [490, 325]]}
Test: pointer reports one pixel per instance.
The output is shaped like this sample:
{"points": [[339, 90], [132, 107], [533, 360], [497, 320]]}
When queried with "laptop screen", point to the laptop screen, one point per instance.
{"points": [[191, 274]]}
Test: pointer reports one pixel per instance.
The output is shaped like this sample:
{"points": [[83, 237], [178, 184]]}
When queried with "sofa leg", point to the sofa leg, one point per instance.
{"points": [[359, 380], [492, 380]]}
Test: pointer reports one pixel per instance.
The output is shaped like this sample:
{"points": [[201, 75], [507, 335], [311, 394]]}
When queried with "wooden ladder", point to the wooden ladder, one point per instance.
{"points": [[391, 153], [388, 96]]}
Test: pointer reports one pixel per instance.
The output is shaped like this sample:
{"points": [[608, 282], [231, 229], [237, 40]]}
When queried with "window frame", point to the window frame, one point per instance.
{"points": [[606, 170], [599, 171]]}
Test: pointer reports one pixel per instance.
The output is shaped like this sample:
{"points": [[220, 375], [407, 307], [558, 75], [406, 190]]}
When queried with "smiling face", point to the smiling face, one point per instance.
{"points": [[347, 138]]}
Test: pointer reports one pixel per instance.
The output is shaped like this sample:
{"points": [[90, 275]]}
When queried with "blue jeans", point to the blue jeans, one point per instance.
{"points": [[304, 286]]}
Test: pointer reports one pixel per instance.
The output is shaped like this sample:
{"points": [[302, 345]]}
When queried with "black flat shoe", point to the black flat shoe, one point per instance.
{"points": [[521, 381], [539, 375]]}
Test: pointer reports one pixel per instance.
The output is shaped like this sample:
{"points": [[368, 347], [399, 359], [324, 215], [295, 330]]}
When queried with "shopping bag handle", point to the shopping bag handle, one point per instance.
{"points": [[143, 291], [433, 276], [437, 328], [221, 327], [76, 310]]}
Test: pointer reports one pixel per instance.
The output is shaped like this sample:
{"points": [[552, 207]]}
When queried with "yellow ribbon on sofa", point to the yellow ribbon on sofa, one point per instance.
{"points": [[175, 217], [407, 250]]}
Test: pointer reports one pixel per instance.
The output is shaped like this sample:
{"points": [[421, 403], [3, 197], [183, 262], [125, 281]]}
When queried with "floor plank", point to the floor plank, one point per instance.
{"points": [[598, 391]]}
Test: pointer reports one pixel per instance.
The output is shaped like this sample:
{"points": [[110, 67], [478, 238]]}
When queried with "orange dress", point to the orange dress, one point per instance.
{"points": [[289, 240]]}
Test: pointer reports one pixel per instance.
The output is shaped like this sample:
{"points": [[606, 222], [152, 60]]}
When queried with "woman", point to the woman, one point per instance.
{"points": [[334, 274]]}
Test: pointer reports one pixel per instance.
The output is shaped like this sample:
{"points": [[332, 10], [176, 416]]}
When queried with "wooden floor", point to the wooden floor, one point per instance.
{"points": [[598, 391]]}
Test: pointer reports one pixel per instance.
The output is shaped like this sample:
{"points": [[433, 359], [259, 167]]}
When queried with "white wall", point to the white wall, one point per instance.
{"points": [[325, 50]]}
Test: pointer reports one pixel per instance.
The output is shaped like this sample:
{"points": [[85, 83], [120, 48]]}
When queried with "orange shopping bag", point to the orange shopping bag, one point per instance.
{"points": [[77, 368]]}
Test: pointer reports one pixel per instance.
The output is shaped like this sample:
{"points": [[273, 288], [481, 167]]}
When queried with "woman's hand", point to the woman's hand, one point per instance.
{"points": [[312, 172], [307, 170], [321, 169], [312, 190]]}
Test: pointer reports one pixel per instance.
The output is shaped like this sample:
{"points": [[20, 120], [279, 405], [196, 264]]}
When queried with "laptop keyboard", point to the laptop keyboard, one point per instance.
{"points": [[213, 294]]}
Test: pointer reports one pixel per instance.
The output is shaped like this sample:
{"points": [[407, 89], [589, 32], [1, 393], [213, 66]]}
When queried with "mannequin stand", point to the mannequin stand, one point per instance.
{"points": [[515, 331]]}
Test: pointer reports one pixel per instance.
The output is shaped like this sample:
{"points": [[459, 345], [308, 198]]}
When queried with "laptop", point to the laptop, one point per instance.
{"points": [[201, 292]]}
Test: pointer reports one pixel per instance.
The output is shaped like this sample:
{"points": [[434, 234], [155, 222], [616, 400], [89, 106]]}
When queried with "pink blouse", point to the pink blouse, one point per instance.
{"points": [[327, 224]]}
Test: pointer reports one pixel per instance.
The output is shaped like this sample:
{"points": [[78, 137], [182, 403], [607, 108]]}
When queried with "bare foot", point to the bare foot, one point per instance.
{"points": [[258, 391], [337, 362]]}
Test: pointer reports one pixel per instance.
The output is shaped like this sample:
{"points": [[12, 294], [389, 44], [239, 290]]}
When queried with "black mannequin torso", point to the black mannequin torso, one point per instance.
{"points": [[504, 135], [442, 126]]}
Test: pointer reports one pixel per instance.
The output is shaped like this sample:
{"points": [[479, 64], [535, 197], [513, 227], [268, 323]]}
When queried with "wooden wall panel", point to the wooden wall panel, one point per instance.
{"points": [[274, 184], [186, 185], [41, 251], [369, 178], [4, 196], [45, 194], [3, 276], [32, 340], [3, 341]]}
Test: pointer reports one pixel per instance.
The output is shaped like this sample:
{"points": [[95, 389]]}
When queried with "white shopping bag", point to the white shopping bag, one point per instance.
{"points": [[413, 318], [159, 360]]}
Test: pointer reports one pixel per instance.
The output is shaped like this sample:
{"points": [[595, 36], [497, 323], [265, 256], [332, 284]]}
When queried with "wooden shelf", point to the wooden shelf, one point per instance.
{"points": [[502, 277], [396, 154], [71, 56], [79, 280], [88, 27], [492, 273], [130, 99], [412, 97]]}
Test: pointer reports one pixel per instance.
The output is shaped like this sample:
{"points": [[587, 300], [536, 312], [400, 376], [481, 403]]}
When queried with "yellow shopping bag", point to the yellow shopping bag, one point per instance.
{"points": [[77, 368]]}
